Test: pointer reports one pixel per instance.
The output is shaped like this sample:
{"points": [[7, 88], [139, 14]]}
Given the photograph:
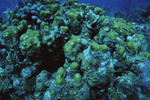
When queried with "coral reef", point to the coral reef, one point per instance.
{"points": [[70, 51], [142, 15]]}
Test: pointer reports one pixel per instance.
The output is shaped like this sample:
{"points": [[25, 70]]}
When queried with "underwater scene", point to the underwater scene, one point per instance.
{"points": [[75, 50]]}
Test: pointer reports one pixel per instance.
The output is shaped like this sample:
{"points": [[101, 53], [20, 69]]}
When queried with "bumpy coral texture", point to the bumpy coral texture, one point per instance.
{"points": [[70, 51]]}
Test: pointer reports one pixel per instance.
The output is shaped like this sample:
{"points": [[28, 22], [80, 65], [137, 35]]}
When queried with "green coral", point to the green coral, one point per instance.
{"points": [[48, 1], [140, 36], [75, 15], [118, 25], [72, 1], [142, 56], [126, 29], [121, 50], [74, 66], [112, 35], [64, 28], [45, 13], [59, 81], [30, 41], [13, 31], [52, 1], [30, 26], [57, 18], [132, 46], [61, 71], [103, 47], [76, 5], [15, 21], [76, 39], [145, 54], [121, 42], [96, 38], [99, 11], [43, 24], [96, 47], [9, 33], [23, 23], [46, 27], [52, 6], [58, 13], [102, 18], [77, 77], [70, 44], [22, 26], [132, 28], [102, 31], [4, 26], [83, 5]]}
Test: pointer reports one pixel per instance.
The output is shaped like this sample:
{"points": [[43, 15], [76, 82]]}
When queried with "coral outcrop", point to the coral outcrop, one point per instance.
{"points": [[69, 51]]}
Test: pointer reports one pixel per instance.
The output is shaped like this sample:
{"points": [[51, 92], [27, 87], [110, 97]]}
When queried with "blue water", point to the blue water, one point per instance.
{"points": [[111, 6], [7, 4]]}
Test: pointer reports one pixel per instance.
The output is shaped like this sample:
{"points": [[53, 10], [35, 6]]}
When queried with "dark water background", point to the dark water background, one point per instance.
{"points": [[111, 6]]}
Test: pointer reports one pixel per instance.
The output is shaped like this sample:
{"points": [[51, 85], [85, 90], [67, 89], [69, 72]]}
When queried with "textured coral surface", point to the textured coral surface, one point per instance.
{"points": [[71, 51]]}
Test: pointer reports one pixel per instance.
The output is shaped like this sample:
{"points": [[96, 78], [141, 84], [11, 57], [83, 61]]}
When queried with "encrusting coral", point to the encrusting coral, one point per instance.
{"points": [[69, 51]]}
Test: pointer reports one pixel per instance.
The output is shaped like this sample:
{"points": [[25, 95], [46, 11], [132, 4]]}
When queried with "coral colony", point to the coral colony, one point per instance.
{"points": [[69, 51]]}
